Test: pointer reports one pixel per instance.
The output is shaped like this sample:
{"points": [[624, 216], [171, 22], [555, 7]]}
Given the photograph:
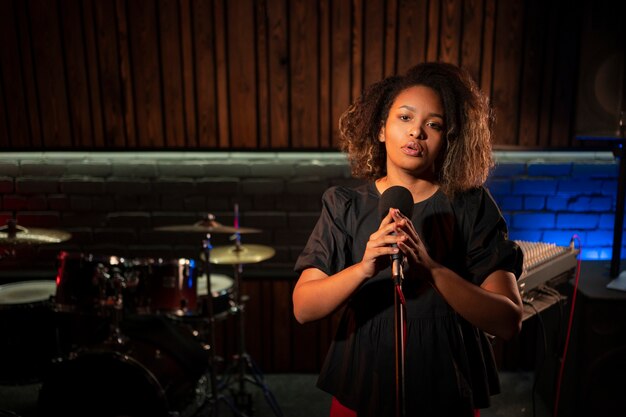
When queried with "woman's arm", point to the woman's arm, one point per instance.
{"points": [[316, 294], [495, 306]]}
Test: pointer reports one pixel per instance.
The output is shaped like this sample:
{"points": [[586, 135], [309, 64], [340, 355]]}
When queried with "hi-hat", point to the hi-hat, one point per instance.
{"points": [[14, 234], [243, 254], [207, 226]]}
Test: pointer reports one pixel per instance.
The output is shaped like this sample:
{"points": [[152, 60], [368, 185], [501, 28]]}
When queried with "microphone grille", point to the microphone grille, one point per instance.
{"points": [[398, 197]]}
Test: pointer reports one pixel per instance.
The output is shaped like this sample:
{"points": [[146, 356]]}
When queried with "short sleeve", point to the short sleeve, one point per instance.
{"points": [[328, 246], [488, 247]]}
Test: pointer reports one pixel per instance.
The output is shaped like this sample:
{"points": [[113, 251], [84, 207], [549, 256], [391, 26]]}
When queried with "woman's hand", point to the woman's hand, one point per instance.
{"points": [[411, 244], [379, 246]]}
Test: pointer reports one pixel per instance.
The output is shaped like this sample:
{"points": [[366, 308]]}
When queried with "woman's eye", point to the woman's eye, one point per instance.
{"points": [[405, 117], [434, 125]]}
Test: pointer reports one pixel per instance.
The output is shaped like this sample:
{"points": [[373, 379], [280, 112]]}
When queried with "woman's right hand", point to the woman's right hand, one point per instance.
{"points": [[379, 246]]}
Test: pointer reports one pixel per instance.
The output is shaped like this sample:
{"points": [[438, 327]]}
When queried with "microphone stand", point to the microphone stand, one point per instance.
{"points": [[400, 335]]}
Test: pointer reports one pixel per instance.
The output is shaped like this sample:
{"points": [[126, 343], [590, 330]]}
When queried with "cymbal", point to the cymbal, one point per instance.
{"points": [[245, 254], [20, 235], [207, 226]]}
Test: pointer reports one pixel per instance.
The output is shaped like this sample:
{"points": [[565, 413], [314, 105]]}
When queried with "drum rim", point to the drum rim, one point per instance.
{"points": [[219, 292], [43, 284]]}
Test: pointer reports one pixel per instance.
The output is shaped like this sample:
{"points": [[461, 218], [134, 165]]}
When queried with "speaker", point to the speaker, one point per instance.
{"points": [[601, 88]]}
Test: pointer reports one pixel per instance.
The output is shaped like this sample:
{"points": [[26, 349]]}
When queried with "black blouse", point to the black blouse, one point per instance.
{"points": [[450, 369]]}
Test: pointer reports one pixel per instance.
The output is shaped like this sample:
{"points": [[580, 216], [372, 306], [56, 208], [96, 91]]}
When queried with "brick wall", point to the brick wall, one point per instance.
{"points": [[111, 202]]}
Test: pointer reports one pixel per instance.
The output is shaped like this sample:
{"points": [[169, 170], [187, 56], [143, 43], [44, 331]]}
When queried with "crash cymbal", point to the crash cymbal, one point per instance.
{"points": [[207, 226], [244, 254], [14, 234]]}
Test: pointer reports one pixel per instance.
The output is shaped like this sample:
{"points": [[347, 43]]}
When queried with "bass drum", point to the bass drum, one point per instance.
{"points": [[27, 330], [159, 371]]}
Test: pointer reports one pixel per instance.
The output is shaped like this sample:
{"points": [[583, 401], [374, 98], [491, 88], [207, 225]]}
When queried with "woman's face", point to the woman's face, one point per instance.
{"points": [[414, 132]]}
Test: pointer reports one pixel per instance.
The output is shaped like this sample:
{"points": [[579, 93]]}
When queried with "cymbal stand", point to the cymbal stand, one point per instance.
{"points": [[206, 247], [243, 362]]}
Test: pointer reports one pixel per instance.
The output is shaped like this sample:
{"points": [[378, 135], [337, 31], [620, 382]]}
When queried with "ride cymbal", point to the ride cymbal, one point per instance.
{"points": [[13, 234], [244, 254], [207, 226]]}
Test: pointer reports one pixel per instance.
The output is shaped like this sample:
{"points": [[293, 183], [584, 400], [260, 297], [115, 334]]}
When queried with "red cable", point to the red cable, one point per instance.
{"points": [[568, 334], [403, 307]]}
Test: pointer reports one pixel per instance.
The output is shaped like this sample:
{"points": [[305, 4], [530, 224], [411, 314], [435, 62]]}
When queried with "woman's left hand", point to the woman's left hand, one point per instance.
{"points": [[412, 247]]}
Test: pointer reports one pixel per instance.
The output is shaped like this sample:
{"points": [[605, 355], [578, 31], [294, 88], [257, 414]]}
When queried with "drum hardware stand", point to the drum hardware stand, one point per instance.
{"points": [[243, 361], [112, 310], [207, 308]]}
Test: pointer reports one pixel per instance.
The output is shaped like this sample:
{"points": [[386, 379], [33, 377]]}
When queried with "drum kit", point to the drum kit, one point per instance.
{"points": [[114, 336]]}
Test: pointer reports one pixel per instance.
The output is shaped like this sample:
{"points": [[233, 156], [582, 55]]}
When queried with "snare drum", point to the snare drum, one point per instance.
{"points": [[164, 286], [27, 329], [221, 290]]}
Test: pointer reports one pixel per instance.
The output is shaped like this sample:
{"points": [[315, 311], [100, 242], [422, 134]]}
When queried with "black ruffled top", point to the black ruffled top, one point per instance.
{"points": [[450, 369]]}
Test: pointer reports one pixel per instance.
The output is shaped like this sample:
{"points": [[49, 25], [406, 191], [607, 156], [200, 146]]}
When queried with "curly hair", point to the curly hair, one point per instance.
{"points": [[466, 159]]}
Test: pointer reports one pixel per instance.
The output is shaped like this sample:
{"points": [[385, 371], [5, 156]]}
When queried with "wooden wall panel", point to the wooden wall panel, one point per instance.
{"points": [[268, 74]]}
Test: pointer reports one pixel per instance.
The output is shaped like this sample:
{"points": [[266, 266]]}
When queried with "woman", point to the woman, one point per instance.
{"points": [[428, 131]]}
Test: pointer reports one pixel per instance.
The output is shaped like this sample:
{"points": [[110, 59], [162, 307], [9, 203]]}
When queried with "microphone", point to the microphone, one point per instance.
{"points": [[397, 197]]}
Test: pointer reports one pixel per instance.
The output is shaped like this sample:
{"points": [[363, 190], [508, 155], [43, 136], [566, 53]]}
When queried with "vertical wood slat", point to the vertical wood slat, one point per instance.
{"points": [[326, 122], [486, 66], [451, 31], [471, 37], [125, 75], [222, 75], [147, 77], [242, 79], [16, 131], [188, 75], [93, 74], [303, 35], [391, 38], [374, 40], [278, 74], [171, 64], [341, 15], [108, 64], [71, 25], [434, 28], [49, 65], [507, 70], [260, 15], [530, 99], [412, 24], [357, 49], [209, 123]]}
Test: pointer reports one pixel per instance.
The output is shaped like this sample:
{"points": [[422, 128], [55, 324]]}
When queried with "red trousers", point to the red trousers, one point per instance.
{"points": [[339, 410]]}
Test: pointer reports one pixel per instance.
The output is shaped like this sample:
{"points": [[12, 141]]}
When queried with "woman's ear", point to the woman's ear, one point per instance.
{"points": [[381, 134]]}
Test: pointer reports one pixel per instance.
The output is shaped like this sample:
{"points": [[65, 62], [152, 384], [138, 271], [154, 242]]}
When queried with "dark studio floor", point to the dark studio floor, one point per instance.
{"points": [[297, 396]]}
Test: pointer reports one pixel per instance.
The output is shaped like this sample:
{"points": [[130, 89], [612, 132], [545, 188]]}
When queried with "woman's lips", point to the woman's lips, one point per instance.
{"points": [[413, 149]]}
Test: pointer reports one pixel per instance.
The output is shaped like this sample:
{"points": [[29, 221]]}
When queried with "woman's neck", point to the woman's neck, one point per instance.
{"points": [[421, 189]]}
